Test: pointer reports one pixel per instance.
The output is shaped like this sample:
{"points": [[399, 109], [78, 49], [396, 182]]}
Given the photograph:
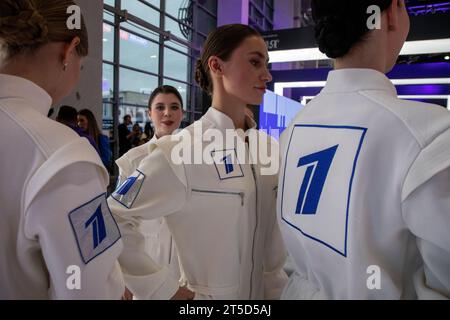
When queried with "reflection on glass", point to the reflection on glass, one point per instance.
{"points": [[108, 42], [107, 82], [140, 30], [175, 65], [138, 52], [142, 11], [110, 2], [136, 87], [108, 16]]}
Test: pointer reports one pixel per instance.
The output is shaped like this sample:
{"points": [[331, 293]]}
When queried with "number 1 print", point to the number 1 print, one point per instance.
{"points": [[314, 180]]}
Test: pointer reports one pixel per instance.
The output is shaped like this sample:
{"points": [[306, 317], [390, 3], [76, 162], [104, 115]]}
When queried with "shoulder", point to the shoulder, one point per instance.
{"points": [[424, 121], [130, 160]]}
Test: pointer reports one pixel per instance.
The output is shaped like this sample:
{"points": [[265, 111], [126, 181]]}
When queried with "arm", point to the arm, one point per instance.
{"points": [[48, 223], [153, 191], [426, 212], [275, 277]]}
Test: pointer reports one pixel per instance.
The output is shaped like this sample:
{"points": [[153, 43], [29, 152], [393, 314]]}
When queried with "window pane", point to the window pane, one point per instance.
{"points": [[179, 30], [110, 2], [107, 82], [108, 42], [140, 30], [135, 87], [138, 52], [142, 11], [175, 65], [108, 16], [173, 7], [182, 89], [107, 122]]}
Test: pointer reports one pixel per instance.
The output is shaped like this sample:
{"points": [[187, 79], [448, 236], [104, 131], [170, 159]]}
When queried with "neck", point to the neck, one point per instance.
{"points": [[37, 73], [365, 55], [233, 108]]}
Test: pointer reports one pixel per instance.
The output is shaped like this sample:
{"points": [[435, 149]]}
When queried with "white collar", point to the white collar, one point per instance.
{"points": [[12, 87], [351, 80], [223, 122]]}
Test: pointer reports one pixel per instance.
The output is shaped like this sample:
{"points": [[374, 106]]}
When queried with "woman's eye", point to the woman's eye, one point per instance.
{"points": [[254, 62]]}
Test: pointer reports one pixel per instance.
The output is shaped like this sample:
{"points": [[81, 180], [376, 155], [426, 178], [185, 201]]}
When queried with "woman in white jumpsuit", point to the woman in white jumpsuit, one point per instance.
{"points": [[58, 239], [364, 202], [219, 207], [166, 111]]}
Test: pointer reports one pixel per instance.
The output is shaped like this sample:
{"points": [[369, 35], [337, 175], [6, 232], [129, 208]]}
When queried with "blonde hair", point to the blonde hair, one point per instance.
{"points": [[25, 25]]}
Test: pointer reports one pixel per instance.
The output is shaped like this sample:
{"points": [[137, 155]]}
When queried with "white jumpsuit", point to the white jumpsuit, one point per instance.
{"points": [[222, 218], [158, 239], [364, 202], [58, 239]]}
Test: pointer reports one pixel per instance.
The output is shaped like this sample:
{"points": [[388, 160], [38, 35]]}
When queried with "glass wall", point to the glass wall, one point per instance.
{"points": [[147, 43]]}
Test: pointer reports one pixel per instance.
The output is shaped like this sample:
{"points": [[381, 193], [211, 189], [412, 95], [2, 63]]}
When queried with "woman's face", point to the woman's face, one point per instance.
{"points": [[246, 73], [82, 122], [166, 114]]}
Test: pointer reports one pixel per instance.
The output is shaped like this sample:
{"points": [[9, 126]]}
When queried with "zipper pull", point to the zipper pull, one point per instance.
{"points": [[242, 198]]}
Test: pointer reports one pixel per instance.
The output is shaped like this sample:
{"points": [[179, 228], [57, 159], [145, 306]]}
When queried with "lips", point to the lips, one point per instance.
{"points": [[168, 123], [263, 89]]}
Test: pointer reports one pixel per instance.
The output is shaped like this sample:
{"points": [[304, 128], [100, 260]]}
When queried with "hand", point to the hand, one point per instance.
{"points": [[183, 294], [127, 295]]}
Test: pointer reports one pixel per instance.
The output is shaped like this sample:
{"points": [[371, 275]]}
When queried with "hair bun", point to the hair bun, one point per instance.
{"points": [[27, 28], [201, 77], [333, 36]]}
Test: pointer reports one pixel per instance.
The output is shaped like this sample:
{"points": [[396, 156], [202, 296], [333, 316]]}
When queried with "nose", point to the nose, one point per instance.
{"points": [[267, 76]]}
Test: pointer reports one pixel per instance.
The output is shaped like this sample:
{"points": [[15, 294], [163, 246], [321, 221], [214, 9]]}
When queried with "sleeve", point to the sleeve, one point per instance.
{"points": [[66, 217], [275, 278], [152, 191], [426, 211], [427, 214]]}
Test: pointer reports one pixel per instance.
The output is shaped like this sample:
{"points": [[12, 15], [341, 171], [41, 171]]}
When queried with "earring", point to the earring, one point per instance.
{"points": [[65, 66]]}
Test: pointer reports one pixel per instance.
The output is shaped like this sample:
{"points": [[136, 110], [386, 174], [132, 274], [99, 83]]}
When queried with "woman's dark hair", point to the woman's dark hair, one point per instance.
{"points": [[220, 43], [164, 89], [92, 127], [25, 25], [340, 24]]}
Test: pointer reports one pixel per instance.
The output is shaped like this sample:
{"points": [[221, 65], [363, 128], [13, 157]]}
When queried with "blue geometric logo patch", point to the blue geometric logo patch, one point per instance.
{"points": [[226, 164], [127, 191], [94, 228]]}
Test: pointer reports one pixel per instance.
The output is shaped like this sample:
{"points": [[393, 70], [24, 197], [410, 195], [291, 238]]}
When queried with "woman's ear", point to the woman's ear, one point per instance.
{"points": [[393, 13], [215, 64], [69, 49]]}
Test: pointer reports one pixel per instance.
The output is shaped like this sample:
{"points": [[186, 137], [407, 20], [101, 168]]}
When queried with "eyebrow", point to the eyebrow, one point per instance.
{"points": [[171, 104], [259, 54]]}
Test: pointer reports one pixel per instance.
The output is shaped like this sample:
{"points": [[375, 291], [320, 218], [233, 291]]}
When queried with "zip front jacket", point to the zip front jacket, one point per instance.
{"points": [[221, 216]]}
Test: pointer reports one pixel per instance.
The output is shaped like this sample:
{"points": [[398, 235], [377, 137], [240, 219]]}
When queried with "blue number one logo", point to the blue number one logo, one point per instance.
{"points": [[98, 226], [312, 184], [228, 164]]}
